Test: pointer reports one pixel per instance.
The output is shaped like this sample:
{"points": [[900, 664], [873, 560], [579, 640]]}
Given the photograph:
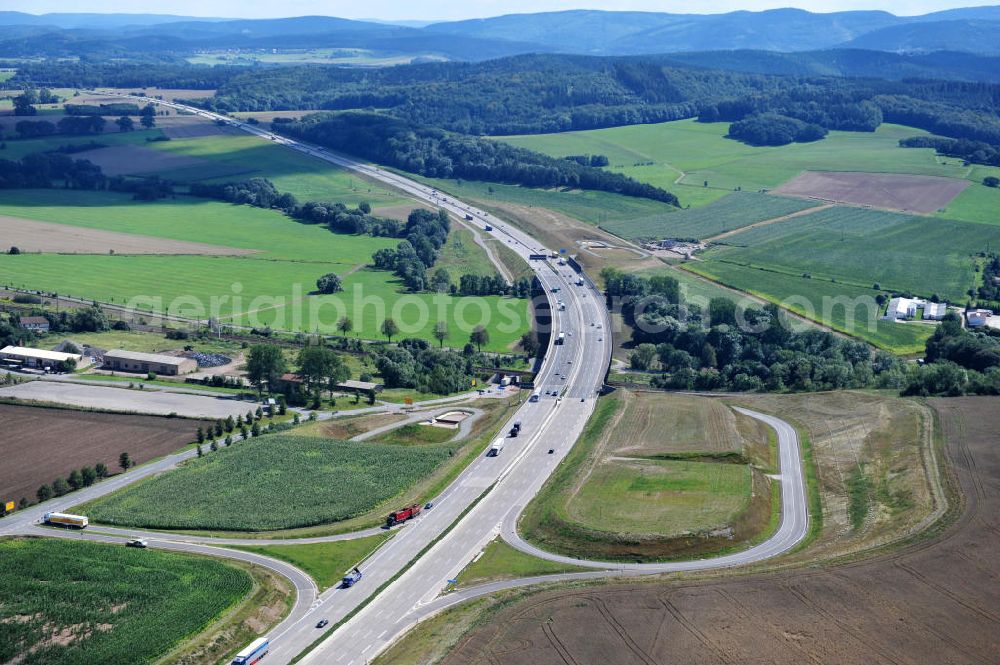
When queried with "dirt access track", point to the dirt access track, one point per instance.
{"points": [[935, 601], [30, 235], [41, 444], [891, 191]]}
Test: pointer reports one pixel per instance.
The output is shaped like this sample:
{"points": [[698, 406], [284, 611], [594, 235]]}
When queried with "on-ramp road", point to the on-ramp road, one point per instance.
{"points": [[417, 563]]}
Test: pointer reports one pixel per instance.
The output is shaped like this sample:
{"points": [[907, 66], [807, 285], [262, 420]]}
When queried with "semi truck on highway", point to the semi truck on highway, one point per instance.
{"points": [[495, 448], [254, 652], [402, 515], [65, 519]]}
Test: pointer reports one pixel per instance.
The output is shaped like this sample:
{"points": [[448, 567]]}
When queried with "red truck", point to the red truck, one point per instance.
{"points": [[403, 514]]}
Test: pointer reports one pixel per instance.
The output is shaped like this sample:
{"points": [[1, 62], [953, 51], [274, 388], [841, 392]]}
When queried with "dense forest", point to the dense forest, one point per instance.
{"points": [[550, 93], [439, 154]]}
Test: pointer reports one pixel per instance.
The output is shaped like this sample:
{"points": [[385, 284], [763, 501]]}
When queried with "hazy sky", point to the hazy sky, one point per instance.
{"points": [[454, 9]]}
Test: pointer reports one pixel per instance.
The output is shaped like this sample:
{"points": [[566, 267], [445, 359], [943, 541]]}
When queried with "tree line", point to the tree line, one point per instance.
{"points": [[974, 152], [730, 347], [439, 154]]}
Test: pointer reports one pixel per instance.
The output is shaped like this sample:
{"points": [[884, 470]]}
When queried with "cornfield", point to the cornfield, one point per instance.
{"points": [[80, 602], [271, 482]]}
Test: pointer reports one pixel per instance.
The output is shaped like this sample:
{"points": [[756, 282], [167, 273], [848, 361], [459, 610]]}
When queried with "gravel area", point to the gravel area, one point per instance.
{"points": [[123, 399]]}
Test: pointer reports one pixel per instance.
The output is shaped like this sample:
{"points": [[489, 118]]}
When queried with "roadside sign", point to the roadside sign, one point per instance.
{"points": [[408, 401], [562, 250], [474, 382], [9, 507]]}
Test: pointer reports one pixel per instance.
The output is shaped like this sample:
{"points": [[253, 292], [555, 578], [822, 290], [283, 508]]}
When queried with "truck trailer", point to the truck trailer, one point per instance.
{"points": [[67, 520], [495, 448], [402, 515], [254, 652]]}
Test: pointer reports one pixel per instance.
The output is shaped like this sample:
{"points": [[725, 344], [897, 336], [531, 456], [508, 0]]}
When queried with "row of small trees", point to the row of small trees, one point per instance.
{"points": [[78, 479]]}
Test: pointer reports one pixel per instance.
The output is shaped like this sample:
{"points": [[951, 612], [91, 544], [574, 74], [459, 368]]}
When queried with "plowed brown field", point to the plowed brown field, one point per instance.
{"points": [[39, 444], [934, 601]]}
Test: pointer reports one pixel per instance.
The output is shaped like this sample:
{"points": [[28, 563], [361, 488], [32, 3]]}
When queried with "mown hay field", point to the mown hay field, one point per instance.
{"points": [[655, 424]]}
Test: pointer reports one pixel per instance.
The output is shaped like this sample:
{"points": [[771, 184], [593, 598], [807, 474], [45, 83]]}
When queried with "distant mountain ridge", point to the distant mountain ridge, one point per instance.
{"points": [[636, 33], [583, 32]]}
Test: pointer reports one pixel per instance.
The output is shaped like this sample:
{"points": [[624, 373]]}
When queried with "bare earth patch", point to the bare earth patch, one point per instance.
{"points": [[893, 191], [42, 444], [400, 212], [30, 235], [131, 159]]}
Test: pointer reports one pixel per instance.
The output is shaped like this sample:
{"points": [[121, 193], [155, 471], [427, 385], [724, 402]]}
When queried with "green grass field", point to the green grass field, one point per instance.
{"points": [[862, 247], [617, 496], [730, 212], [822, 301], [500, 561], [79, 602], [268, 288], [241, 156], [416, 435], [327, 562], [587, 206], [660, 497], [18, 148], [462, 256], [692, 153], [978, 203], [271, 482]]}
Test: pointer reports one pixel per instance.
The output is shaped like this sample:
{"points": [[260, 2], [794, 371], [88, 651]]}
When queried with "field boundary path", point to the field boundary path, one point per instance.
{"points": [[768, 222]]}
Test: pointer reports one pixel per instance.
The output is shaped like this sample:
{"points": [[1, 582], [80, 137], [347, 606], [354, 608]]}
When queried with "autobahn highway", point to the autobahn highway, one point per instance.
{"points": [[413, 568]]}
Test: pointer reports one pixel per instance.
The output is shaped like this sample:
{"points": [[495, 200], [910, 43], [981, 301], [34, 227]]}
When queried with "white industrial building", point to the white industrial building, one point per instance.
{"points": [[21, 356], [904, 309], [901, 309], [935, 311]]}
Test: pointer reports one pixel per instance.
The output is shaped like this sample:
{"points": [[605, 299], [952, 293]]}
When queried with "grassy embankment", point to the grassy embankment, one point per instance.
{"points": [[656, 476]]}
